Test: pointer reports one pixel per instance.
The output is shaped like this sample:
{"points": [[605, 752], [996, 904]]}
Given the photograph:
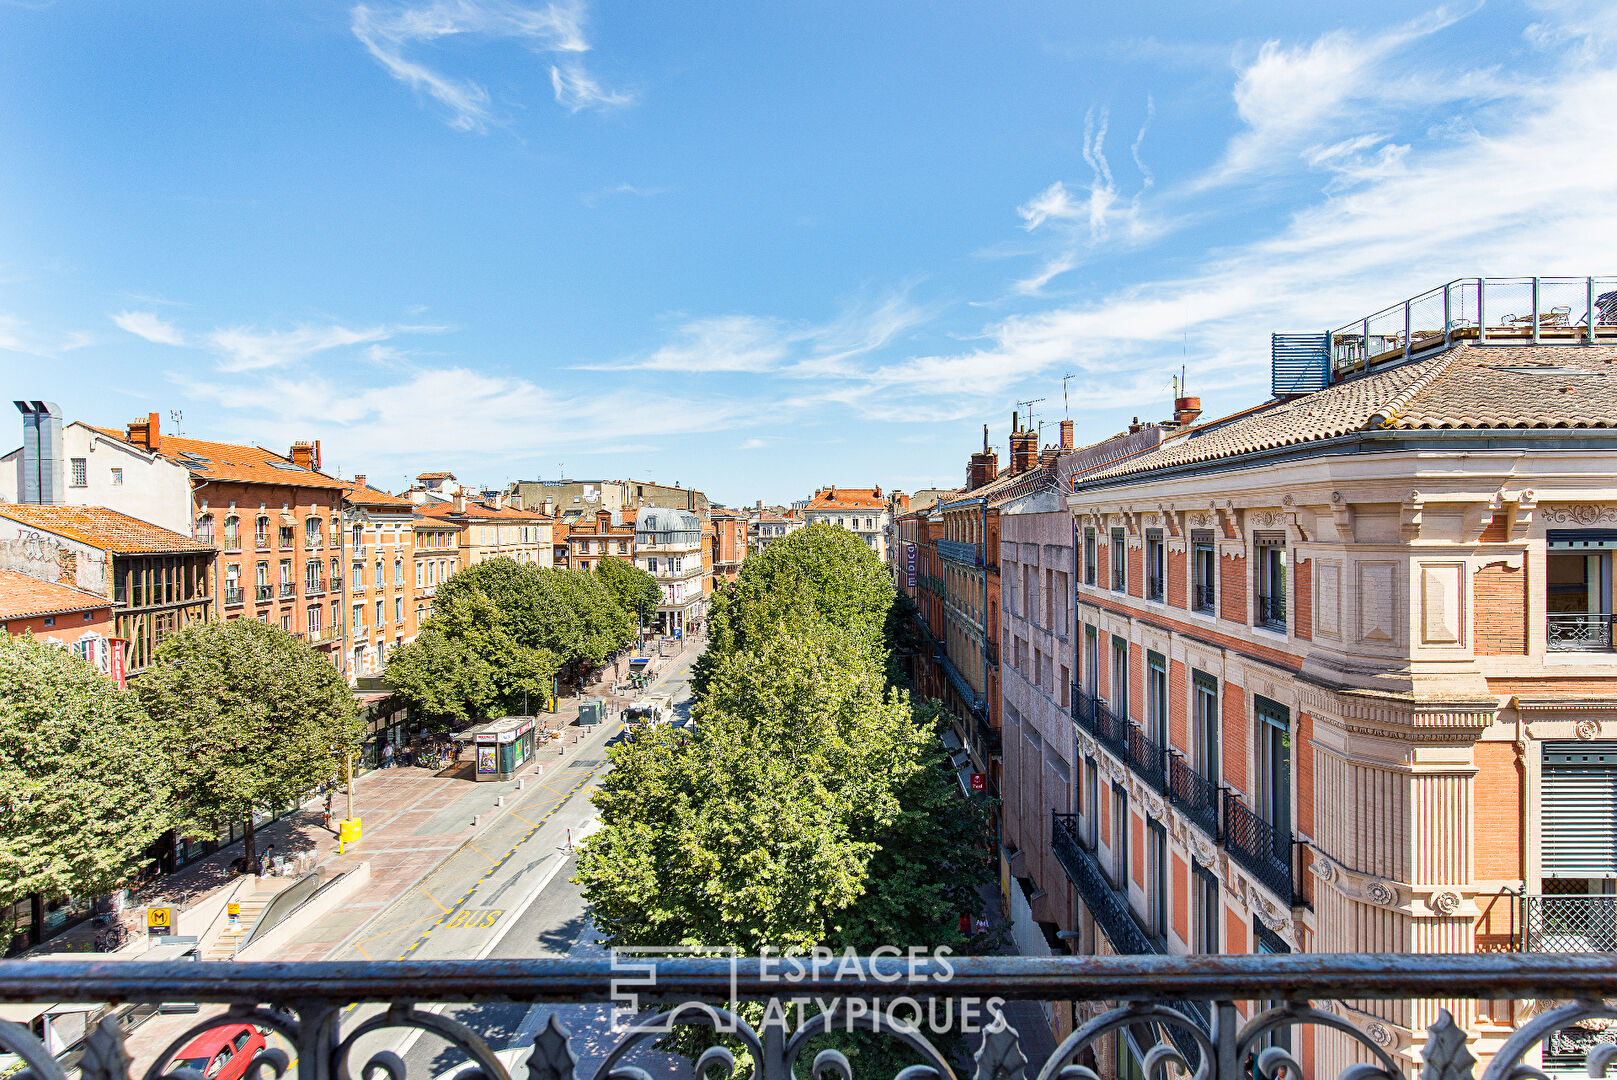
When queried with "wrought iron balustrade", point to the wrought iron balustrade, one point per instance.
{"points": [[1112, 731], [288, 590], [961, 551], [234, 595], [1083, 708], [1259, 846], [1272, 612], [1579, 632], [263, 592], [1202, 596], [1145, 757], [1569, 924], [306, 1007], [1109, 907], [1153, 588], [314, 588], [1194, 795], [336, 582]]}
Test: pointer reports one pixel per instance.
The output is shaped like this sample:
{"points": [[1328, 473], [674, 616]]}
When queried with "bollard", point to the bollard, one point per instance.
{"points": [[500, 801], [519, 783], [475, 819]]}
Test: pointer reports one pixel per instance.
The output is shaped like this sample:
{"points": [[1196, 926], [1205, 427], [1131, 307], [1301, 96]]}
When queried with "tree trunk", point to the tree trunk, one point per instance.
{"points": [[247, 843]]}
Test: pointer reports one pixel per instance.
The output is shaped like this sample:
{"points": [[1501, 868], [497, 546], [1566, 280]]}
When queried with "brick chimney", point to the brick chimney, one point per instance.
{"points": [[515, 499], [458, 503], [147, 433], [1186, 409], [305, 454], [1024, 447], [359, 482], [984, 467], [1066, 435]]}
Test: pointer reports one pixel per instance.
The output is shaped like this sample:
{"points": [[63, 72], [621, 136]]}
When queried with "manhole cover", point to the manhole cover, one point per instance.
{"points": [[586, 763]]}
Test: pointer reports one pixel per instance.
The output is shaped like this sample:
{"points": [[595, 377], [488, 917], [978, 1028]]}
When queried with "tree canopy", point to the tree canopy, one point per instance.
{"points": [[248, 716], [83, 781], [499, 632], [630, 586]]}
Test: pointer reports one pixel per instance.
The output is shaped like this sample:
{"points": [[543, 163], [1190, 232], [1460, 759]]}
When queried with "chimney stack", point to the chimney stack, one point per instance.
{"points": [[1024, 449], [1186, 409], [1066, 435], [147, 433], [41, 478], [1135, 425], [984, 467], [458, 503], [359, 481], [516, 499], [304, 453]]}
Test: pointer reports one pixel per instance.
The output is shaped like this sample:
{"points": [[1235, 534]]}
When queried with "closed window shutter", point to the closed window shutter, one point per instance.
{"points": [[1580, 809]]}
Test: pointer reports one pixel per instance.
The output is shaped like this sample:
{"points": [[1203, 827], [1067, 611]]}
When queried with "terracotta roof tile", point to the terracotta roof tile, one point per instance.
{"points": [[229, 461], [847, 499], [23, 597], [379, 500], [101, 528], [1501, 387], [479, 512]]}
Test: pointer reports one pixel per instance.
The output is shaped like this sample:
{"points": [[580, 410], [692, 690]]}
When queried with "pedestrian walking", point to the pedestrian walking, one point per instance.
{"points": [[981, 925], [965, 922], [387, 756]]}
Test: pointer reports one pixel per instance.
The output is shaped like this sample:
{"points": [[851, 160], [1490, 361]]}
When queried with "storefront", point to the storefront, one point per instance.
{"points": [[504, 747]]}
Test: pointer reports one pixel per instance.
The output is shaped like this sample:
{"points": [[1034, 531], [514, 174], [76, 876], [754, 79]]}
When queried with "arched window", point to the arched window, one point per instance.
{"points": [[261, 535], [359, 537], [232, 533], [204, 529]]}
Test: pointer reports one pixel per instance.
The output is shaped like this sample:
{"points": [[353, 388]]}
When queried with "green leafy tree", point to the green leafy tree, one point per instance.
{"points": [[605, 625], [83, 784], [633, 588], [249, 716]]}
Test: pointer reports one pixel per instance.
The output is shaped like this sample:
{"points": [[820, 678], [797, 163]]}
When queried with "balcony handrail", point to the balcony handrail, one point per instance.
{"points": [[1145, 757], [1260, 846], [1197, 797], [1272, 610], [1567, 923], [1109, 907], [1579, 631]]}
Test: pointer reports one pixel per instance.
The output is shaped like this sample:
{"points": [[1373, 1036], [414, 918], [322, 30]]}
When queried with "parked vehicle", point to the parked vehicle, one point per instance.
{"points": [[656, 710], [222, 1053]]}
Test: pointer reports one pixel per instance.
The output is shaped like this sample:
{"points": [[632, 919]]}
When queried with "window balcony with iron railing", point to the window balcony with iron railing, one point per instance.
{"points": [[961, 552], [1153, 588], [336, 582], [1272, 612], [1585, 631], [1146, 758], [1109, 907], [314, 588], [1163, 1001], [235, 596], [1568, 923], [263, 593], [289, 589], [1261, 847], [1201, 596], [1195, 796]]}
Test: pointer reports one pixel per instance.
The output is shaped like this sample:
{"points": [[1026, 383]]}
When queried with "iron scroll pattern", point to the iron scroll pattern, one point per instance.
{"points": [[1212, 1042]]}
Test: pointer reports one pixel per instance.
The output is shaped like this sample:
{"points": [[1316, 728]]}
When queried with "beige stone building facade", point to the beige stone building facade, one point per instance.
{"points": [[1344, 681]]}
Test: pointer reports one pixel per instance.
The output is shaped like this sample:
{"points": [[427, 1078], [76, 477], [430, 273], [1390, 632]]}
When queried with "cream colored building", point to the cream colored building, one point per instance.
{"points": [[493, 529], [668, 545], [1344, 677]]}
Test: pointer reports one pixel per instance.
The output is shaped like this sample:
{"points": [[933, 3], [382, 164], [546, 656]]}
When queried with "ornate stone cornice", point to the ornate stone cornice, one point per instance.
{"points": [[1563, 705]]}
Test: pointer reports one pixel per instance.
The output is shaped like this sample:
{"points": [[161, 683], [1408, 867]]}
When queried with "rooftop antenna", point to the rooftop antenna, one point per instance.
{"points": [[1065, 408], [175, 417], [1028, 405]]}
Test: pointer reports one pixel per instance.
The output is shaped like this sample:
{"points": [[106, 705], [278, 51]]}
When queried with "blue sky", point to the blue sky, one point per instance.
{"points": [[754, 247]]}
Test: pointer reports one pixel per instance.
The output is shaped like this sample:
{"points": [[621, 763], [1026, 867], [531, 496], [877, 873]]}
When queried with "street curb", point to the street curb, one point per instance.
{"points": [[486, 821]]}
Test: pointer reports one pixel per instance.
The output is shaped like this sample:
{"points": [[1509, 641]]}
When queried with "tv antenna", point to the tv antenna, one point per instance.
{"points": [[175, 417], [1065, 408], [1028, 405]]}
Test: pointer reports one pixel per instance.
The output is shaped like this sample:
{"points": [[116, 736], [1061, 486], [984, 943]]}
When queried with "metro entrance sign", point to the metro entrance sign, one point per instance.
{"points": [[979, 781]]}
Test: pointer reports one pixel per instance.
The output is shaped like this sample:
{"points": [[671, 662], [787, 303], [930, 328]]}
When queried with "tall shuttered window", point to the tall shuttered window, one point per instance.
{"points": [[1580, 809]]}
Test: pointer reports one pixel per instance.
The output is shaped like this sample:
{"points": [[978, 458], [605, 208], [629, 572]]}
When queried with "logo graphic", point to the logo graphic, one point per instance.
{"points": [[638, 967]]}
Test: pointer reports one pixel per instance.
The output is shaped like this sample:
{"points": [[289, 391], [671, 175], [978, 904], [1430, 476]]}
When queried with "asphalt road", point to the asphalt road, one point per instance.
{"points": [[510, 896]]}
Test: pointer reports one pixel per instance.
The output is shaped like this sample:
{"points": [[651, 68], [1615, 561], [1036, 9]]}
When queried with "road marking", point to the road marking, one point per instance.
{"points": [[436, 902]]}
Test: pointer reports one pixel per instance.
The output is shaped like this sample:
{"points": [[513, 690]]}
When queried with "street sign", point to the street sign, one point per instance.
{"points": [[979, 782], [159, 921]]}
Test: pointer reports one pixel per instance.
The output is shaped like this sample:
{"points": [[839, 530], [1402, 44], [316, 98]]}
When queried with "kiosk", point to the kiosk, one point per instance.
{"points": [[504, 747]]}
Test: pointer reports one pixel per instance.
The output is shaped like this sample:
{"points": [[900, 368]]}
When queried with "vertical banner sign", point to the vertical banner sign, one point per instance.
{"points": [[117, 661], [979, 781], [909, 562]]}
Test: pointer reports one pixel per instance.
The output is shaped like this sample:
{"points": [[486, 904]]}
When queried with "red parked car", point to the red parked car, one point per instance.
{"points": [[223, 1053]]}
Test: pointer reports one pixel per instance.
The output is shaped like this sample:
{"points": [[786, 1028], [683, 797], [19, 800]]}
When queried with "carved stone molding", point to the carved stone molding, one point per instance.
{"points": [[1410, 516], [1267, 519], [1587, 729], [1580, 514], [1342, 517], [1380, 893], [1446, 902]]}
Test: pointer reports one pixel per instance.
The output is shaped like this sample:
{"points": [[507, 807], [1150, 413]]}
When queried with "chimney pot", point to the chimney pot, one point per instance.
{"points": [[1186, 410], [1066, 435], [458, 503]]}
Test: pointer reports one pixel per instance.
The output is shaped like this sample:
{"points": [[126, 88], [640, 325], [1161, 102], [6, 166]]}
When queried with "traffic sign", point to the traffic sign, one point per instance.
{"points": [[979, 781]]}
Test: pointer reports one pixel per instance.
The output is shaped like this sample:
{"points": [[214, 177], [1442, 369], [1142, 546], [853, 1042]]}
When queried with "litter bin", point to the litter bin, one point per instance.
{"points": [[348, 830]]}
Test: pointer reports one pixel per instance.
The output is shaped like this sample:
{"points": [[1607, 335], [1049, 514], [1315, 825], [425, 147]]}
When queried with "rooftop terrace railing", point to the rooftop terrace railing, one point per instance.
{"points": [[1489, 311], [307, 1006]]}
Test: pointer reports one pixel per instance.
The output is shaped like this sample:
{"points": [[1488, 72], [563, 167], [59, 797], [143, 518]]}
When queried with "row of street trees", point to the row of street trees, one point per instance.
{"points": [[810, 807], [230, 718], [500, 631]]}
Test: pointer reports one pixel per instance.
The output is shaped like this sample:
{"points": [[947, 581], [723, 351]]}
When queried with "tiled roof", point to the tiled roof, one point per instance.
{"points": [[376, 500], [1464, 387], [23, 597], [228, 461], [847, 499], [480, 512], [101, 528], [435, 476]]}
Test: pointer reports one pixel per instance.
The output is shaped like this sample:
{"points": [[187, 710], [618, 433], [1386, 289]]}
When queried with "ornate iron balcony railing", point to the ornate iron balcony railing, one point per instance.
{"points": [[1202, 596], [1195, 796], [961, 551], [1109, 907], [306, 1007], [1272, 611], [1259, 846], [1580, 632], [1111, 731], [1153, 588], [1569, 924], [1145, 757]]}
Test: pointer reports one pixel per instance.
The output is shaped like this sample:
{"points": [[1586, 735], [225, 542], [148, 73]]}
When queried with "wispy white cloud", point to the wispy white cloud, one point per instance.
{"points": [[18, 336], [390, 35], [595, 198], [753, 444], [145, 324], [577, 90], [246, 349]]}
